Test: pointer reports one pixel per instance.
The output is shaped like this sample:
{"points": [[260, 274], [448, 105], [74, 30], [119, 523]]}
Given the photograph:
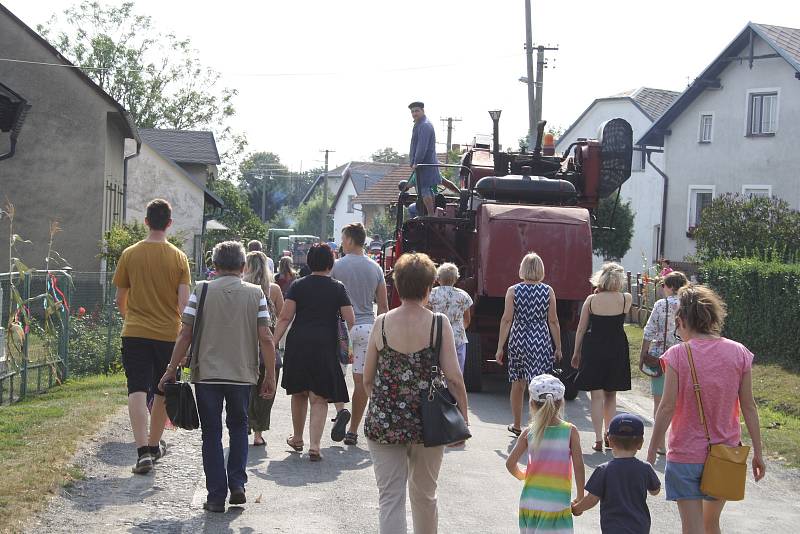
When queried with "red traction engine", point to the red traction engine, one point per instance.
{"points": [[504, 206]]}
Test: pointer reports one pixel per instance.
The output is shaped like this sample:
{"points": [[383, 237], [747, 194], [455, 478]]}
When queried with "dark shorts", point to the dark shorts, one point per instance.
{"points": [[145, 361]]}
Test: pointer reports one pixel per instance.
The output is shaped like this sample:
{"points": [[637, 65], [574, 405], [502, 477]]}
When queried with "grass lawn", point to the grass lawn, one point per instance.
{"points": [[777, 392], [38, 437]]}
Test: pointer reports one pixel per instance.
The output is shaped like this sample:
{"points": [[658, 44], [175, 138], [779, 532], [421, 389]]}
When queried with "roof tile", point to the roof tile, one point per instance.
{"points": [[183, 146], [384, 191]]}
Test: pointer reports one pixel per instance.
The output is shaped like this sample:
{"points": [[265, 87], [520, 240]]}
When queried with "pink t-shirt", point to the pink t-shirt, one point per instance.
{"points": [[720, 365]]}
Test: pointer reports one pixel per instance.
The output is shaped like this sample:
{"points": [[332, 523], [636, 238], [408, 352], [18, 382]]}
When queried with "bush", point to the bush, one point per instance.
{"points": [[738, 226], [612, 244], [121, 236], [763, 301], [89, 343]]}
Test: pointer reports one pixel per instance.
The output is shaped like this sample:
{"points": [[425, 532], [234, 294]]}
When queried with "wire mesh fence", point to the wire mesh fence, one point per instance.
{"points": [[57, 324]]}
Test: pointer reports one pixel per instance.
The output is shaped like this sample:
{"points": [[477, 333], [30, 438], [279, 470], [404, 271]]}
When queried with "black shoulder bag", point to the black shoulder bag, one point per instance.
{"points": [[442, 422], [178, 396]]}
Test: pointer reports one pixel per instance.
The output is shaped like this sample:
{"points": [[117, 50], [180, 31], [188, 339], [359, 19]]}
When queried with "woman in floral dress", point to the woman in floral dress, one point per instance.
{"points": [[397, 373]]}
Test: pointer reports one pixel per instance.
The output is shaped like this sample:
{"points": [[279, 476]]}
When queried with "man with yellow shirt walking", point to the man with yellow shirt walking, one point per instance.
{"points": [[152, 281]]}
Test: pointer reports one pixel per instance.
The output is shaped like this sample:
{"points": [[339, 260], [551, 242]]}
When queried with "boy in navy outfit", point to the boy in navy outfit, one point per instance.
{"points": [[621, 485]]}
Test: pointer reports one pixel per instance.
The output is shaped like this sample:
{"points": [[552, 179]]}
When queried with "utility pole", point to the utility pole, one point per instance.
{"points": [[324, 218], [450, 121], [541, 63], [264, 197], [532, 124]]}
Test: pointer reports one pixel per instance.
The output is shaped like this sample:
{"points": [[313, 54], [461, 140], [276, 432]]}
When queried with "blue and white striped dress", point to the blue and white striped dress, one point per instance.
{"points": [[530, 347]]}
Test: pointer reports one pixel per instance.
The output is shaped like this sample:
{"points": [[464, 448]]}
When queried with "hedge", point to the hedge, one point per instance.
{"points": [[763, 301]]}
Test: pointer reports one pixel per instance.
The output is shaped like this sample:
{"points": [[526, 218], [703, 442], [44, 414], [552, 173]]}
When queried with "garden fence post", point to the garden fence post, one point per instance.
{"points": [[26, 294]]}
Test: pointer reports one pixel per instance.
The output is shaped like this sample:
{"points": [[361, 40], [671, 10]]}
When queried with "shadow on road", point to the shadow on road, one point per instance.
{"points": [[295, 470]]}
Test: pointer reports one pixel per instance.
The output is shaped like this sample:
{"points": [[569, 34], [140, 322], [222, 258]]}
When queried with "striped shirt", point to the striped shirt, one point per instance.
{"points": [[227, 335], [544, 505]]}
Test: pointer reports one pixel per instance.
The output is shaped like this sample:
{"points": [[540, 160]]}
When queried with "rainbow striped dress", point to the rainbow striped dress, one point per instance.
{"points": [[545, 502]]}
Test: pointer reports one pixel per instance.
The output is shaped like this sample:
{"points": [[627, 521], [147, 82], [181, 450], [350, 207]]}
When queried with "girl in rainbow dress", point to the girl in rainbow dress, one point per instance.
{"points": [[554, 453]]}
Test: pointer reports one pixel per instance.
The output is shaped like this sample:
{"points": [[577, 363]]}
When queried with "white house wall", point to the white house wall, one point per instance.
{"points": [[151, 176], [340, 216], [732, 160], [643, 189]]}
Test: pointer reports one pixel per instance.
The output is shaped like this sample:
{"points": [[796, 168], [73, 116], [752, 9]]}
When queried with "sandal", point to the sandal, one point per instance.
{"points": [[298, 447], [598, 446], [605, 442], [515, 431], [314, 456], [351, 438], [259, 443]]}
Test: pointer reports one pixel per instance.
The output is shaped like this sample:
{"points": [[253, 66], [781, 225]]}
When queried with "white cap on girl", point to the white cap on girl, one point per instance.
{"points": [[543, 385]]}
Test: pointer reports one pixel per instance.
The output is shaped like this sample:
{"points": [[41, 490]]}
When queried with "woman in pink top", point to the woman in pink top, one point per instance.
{"points": [[723, 372]]}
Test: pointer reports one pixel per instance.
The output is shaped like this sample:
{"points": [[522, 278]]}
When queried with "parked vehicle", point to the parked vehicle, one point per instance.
{"points": [[274, 249], [299, 245]]}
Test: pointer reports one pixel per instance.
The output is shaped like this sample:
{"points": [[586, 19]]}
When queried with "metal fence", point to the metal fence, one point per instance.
{"points": [[56, 324]]}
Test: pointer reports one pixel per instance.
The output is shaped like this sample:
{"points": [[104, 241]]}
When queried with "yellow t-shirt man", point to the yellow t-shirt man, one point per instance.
{"points": [[152, 273]]}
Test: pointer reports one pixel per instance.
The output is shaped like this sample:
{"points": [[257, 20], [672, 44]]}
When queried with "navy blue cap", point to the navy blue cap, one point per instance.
{"points": [[626, 424]]}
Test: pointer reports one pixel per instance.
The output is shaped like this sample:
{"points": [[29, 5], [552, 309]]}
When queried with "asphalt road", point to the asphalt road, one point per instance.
{"points": [[289, 494]]}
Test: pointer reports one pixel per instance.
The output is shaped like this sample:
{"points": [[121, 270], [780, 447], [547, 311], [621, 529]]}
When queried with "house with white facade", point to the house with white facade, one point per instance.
{"points": [[176, 165], [733, 130], [356, 177], [641, 108]]}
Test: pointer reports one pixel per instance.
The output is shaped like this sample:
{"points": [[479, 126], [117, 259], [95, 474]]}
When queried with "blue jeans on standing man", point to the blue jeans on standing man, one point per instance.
{"points": [[209, 406]]}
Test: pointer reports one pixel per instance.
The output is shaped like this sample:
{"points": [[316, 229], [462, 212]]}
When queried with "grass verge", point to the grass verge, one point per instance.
{"points": [[777, 392], [38, 437]]}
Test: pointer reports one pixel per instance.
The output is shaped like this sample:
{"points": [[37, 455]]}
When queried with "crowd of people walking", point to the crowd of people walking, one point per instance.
{"points": [[247, 331]]}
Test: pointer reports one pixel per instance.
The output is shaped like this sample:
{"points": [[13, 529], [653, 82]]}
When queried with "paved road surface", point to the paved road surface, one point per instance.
{"points": [[338, 495]]}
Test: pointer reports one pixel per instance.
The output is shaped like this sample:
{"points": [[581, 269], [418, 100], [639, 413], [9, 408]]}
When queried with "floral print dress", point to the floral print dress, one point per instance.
{"points": [[394, 415]]}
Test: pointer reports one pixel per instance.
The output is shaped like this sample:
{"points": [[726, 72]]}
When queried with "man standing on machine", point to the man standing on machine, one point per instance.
{"points": [[423, 150]]}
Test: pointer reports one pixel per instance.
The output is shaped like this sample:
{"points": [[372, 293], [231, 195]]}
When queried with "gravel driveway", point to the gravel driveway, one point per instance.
{"points": [[289, 494]]}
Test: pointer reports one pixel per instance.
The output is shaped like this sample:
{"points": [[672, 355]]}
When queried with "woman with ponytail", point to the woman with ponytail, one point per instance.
{"points": [[554, 453]]}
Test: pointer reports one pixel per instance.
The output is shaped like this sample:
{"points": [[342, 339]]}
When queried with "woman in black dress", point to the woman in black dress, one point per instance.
{"points": [[311, 370], [601, 347]]}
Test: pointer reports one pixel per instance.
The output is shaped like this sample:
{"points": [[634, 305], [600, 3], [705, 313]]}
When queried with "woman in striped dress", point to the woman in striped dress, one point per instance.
{"points": [[534, 343], [554, 452]]}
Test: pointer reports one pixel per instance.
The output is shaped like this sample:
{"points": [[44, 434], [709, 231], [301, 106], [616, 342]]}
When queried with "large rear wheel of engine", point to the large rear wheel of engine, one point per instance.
{"points": [[473, 365]]}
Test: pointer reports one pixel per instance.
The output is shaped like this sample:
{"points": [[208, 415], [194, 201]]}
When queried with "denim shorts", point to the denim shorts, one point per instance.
{"points": [[682, 482]]}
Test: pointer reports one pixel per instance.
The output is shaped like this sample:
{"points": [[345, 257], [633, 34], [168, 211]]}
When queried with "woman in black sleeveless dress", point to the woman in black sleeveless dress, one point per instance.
{"points": [[601, 348]]}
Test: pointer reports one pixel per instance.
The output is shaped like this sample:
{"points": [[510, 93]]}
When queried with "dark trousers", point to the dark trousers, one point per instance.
{"points": [[209, 406]]}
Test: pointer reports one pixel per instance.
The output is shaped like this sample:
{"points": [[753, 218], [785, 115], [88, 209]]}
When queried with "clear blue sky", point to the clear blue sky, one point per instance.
{"points": [[356, 64]]}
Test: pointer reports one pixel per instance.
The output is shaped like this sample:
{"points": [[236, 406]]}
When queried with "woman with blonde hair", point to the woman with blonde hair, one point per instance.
{"points": [[455, 304], [535, 335], [256, 271], [601, 347], [723, 372]]}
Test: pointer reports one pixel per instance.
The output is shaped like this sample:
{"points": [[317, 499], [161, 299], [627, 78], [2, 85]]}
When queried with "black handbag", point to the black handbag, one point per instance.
{"points": [[442, 422], [178, 396]]}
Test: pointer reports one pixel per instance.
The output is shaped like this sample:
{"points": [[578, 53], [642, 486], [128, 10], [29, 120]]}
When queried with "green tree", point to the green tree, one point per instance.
{"points": [[308, 217], [556, 131], [121, 236], [453, 158], [157, 77], [612, 244], [389, 155], [383, 225], [238, 216], [738, 226]]}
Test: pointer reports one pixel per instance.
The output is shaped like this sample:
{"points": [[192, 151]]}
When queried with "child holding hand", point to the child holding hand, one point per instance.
{"points": [[554, 452], [621, 485]]}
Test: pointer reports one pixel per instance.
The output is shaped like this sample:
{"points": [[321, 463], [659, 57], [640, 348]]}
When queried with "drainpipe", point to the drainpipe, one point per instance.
{"points": [[125, 181], [663, 201]]}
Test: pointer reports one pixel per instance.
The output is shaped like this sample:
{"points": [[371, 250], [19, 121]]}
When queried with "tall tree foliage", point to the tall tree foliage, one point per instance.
{"points": [[739, 226], [308, 217], [612, 244], [156, 76], [389, 155], [240, 219], [267, 181]]}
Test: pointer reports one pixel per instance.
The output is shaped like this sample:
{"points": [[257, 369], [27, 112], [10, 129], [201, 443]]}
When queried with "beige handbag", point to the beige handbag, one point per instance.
{"points": [[725, 469]]}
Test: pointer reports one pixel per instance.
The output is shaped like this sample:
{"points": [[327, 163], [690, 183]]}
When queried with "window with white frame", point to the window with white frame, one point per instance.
{"points": [[700, 197], [762, 113], [706, 127], [350, 203], [754, 190]]}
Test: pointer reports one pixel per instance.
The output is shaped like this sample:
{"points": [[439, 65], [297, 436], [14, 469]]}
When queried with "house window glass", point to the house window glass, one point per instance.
{"points": [[700, 199], [706, 123], [350, 203], [763, 114], [757, 191]]}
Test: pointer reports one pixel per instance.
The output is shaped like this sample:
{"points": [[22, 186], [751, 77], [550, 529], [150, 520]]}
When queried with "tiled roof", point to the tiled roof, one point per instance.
{"points": [[384, 191], [784, 40], [654, 102], [363, 174], [183, 146]]}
